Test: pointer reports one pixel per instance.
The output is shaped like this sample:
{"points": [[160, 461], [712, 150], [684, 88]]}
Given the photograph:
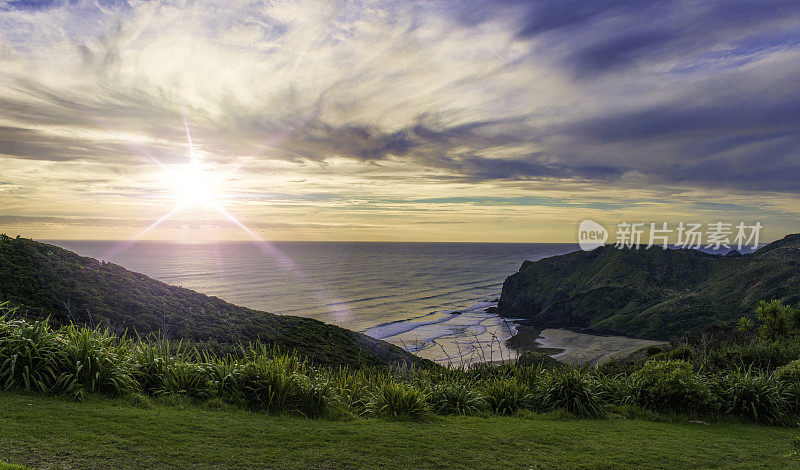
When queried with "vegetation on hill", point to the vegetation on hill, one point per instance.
{"points": [[767, 340], [650, 293], [83, 362], [50, 282]]}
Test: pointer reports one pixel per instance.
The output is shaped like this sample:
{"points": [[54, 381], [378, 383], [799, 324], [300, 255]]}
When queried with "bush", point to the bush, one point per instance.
{"points": [[681, 353], [669, 385], [792, 394], [150, 361], [355, 388], [265, 385], [652, 350], [614, 389], [186, 378], [506, 396], [753, 396], [30, 354], [789, 373], [95, 361], [457, 399], [317, 399], [398, 401], [572, 390], [83, 361], [763, 356]]}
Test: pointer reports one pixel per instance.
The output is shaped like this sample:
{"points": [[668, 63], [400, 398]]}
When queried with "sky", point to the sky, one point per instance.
{"points": [[464, 120]]}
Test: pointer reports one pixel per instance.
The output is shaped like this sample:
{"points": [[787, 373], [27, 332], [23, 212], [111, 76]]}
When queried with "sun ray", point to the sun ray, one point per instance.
{"points": [[337, 308], [119, 248], [189, 139]]}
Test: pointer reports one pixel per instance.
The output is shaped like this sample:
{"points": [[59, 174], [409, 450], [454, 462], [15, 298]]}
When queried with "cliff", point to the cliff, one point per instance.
{"points": [[650, 293]]}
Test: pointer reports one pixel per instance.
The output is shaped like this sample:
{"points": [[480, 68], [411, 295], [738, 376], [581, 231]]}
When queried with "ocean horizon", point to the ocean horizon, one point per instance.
{"points": [[429, 298]]}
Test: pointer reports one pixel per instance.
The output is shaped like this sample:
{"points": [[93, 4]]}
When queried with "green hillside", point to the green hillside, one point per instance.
{"points": [[650, 293], [48, 281]]}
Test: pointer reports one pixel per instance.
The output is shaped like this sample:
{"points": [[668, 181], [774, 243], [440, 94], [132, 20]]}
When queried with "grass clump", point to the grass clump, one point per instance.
{"points": [[573, 390], [456, 399], [755, 396], [30, 353], [506, 396], [398, 401]]}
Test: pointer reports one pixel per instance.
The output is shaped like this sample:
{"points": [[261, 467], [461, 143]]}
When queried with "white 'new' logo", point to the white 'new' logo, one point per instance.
{"points": [[591, 235]]}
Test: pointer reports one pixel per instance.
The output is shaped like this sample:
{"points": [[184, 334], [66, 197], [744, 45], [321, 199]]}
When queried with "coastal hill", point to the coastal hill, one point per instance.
{"points": [[48, 281], [650, 293]]}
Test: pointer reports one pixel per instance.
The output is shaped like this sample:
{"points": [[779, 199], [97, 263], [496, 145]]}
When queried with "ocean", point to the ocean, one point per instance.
{"points": [[426, 297]]}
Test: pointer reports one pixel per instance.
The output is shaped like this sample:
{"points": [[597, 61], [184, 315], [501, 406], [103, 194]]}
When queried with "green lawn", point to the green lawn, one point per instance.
{"points": [[46, 432]]}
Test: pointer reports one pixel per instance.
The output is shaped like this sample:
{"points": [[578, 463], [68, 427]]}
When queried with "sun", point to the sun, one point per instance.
{"points": [[194, 186]]}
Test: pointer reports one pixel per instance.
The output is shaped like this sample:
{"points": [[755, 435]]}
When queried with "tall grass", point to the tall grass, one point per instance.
{"points": [[30, 355], [573, 390], [755, 396], [80, 361], [95, 361], [398, 401], [507, 395]]}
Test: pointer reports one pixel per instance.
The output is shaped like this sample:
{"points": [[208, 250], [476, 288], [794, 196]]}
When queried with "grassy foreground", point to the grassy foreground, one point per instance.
{"points": [[55, 432]]}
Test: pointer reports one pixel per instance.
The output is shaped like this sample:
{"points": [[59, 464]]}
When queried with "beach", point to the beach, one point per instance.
{"points": [[576, 348]]}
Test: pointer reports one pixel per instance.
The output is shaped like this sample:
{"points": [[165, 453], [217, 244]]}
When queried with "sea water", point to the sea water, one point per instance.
{"points": [[429, 298]]}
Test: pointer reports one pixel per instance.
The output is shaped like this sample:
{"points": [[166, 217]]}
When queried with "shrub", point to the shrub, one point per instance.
{"points": [[572, 390], [29, 355], [95, 361], [221, 374], [754, 396], [186, 378], [317, 398], [354, 389], [506, 396], [681, 353], [457, 399], [150, 361], [792, 395], [789, 373], [774, 317], [763, 356], [615, 389], [265, 385], [652, 350], [529, 375], [398, 401], [537, 359], [669, 385]]}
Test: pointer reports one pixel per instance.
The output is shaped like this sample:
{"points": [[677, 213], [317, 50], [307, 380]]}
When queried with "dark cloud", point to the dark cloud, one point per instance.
{"points": [[550, 15], [34, 5], [644, 72], [734, 118], [597, 36]]}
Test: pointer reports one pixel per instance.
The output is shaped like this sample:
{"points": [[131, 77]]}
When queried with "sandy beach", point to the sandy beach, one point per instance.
{"points": [[577, 348]]}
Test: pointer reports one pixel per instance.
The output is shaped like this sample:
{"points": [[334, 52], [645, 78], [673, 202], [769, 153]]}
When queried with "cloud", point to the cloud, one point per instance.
{"points": [[348, 97]]}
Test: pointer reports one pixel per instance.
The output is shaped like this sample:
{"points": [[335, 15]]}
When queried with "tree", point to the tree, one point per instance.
{"points": [[775, 319]]}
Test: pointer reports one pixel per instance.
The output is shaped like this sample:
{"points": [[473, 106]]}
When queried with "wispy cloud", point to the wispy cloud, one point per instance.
{"points": [[464, 101]]}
